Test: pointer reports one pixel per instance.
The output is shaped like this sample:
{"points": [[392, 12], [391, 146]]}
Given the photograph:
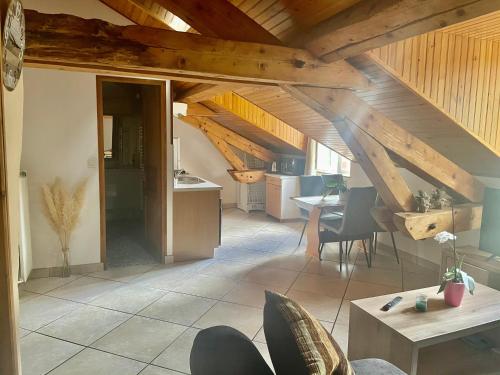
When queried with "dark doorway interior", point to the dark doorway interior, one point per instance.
{"points": [[132, 173]]}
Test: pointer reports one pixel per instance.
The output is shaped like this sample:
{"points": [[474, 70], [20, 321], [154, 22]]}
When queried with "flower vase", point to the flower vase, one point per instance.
{"points": [[66, 268], [454, 293]]}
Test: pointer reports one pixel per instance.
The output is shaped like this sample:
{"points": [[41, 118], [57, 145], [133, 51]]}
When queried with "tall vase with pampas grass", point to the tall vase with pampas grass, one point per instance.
{"points": [[62, 209]]}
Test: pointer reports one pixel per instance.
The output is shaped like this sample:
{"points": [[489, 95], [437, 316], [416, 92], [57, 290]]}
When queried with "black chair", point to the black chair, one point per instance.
{"points": [[309, 186], [223, 350], [356, 224], [378, 229], [328, 178]]}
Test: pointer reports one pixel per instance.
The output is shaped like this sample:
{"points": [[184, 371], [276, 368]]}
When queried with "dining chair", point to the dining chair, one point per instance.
{"points": [[378, 229], [355, 224], [328, 178]]}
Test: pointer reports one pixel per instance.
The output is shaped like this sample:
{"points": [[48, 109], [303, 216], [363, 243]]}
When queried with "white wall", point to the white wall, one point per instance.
{"points": [[427, 249], [200, 158], [60, 140]]}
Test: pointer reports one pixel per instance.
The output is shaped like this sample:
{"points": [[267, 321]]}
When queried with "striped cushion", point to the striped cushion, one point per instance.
{"points": [[298, 343]]}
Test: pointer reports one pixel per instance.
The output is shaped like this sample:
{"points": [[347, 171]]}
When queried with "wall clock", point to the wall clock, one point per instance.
{"points": [[13, 45]]}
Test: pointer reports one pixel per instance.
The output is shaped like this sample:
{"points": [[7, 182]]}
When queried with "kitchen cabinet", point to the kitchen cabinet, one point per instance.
{"points": [[279, 190], [197, 221]]}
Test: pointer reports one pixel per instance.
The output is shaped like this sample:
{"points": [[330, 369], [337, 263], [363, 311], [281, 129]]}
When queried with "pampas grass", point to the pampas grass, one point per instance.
{"points": [[62, 209]]}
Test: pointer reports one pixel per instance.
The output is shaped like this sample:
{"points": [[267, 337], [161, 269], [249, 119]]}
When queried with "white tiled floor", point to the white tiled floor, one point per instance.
{"points": [[143, 319]]}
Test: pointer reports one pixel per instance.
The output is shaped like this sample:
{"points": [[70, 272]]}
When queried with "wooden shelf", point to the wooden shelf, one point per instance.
{"points": [[426, 225], [250, 176]]}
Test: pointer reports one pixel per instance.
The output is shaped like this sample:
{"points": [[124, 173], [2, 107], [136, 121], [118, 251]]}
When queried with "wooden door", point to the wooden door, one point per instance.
{"points": [[153, 105]]}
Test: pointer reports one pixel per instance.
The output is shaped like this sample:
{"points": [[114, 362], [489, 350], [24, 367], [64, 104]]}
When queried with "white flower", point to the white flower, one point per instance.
{"points": [[444, 237]]}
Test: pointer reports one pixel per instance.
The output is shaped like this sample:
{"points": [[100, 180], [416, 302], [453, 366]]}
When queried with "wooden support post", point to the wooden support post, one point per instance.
{"points": [[378, 166], [337, 104], [209, 126], [426, 225], [226, 151]]}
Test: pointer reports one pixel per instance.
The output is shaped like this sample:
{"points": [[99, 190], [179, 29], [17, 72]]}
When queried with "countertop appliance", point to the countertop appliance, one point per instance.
{"points": [[292, 165]]}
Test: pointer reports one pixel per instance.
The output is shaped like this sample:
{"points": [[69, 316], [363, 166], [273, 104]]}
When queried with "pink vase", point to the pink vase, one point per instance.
{"points": [[454, 293]]}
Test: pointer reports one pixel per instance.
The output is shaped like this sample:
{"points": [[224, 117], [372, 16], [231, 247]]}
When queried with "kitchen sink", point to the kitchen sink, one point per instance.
{"points": [[189, 180]]}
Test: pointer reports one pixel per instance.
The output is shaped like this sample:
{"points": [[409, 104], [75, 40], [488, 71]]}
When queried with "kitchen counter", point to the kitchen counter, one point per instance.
{"points": [[206, 185], [280, 176], [197, 220]]}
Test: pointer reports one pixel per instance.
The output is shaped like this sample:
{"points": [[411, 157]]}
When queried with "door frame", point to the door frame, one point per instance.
{"points": [[100, 146]]}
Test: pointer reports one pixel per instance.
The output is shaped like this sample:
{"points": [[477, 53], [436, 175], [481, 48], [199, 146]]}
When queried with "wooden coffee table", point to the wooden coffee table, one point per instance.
{"points": [[427, 343]]}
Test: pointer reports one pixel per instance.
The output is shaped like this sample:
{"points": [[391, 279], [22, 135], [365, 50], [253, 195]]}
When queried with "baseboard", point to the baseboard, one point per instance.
{"points": [[78, 269], [229, 205], [169, 259]]}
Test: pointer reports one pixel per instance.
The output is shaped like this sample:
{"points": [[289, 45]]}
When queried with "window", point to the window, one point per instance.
{"points": [[328, 161]]}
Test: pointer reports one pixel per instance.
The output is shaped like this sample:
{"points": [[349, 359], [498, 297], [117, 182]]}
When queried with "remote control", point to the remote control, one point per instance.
{"points": [[391, 304]]}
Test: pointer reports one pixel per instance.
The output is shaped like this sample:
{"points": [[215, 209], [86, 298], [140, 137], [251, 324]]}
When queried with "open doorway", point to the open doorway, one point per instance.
{"points": [[132, 173]]}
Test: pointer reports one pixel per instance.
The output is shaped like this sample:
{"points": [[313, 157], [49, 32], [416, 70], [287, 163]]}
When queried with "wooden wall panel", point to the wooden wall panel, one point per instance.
{"points": [[261, 119], [457, 73], [298, 115]]}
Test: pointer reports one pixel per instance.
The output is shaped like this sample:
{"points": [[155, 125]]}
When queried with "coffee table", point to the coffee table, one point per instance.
{"points": [[429, 342]]}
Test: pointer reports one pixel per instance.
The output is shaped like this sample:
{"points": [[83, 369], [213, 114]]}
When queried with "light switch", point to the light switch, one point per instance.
{"points": [[92, 162]]}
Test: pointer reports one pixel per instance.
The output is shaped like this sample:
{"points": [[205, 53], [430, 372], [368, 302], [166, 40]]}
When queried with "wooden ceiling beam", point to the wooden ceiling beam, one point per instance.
{"points": [[338, 104], [378, 166], [398, 17], [373, 23], [66, 39], [219, 18], [234, 161], [207, 125]]}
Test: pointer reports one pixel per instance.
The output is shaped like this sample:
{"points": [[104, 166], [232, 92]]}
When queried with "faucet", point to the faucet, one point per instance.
{"points": [[179, 172]]}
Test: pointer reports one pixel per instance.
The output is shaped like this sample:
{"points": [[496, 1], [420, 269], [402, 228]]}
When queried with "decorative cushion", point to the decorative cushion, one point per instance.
{"points": [[298, 343]]}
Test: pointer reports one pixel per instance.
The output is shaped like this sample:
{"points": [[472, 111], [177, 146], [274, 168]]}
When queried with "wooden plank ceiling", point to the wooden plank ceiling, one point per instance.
{"points": [[288, 109], [401, 104], [288, 18], [459, 75], [147, 13], [486, 27], [260, 136]]}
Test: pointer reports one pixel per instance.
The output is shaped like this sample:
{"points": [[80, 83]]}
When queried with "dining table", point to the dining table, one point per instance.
{"points": [[315, 205]]}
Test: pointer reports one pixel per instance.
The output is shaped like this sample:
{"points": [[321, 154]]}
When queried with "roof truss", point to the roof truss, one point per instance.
{"points": [[98, 45]]}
